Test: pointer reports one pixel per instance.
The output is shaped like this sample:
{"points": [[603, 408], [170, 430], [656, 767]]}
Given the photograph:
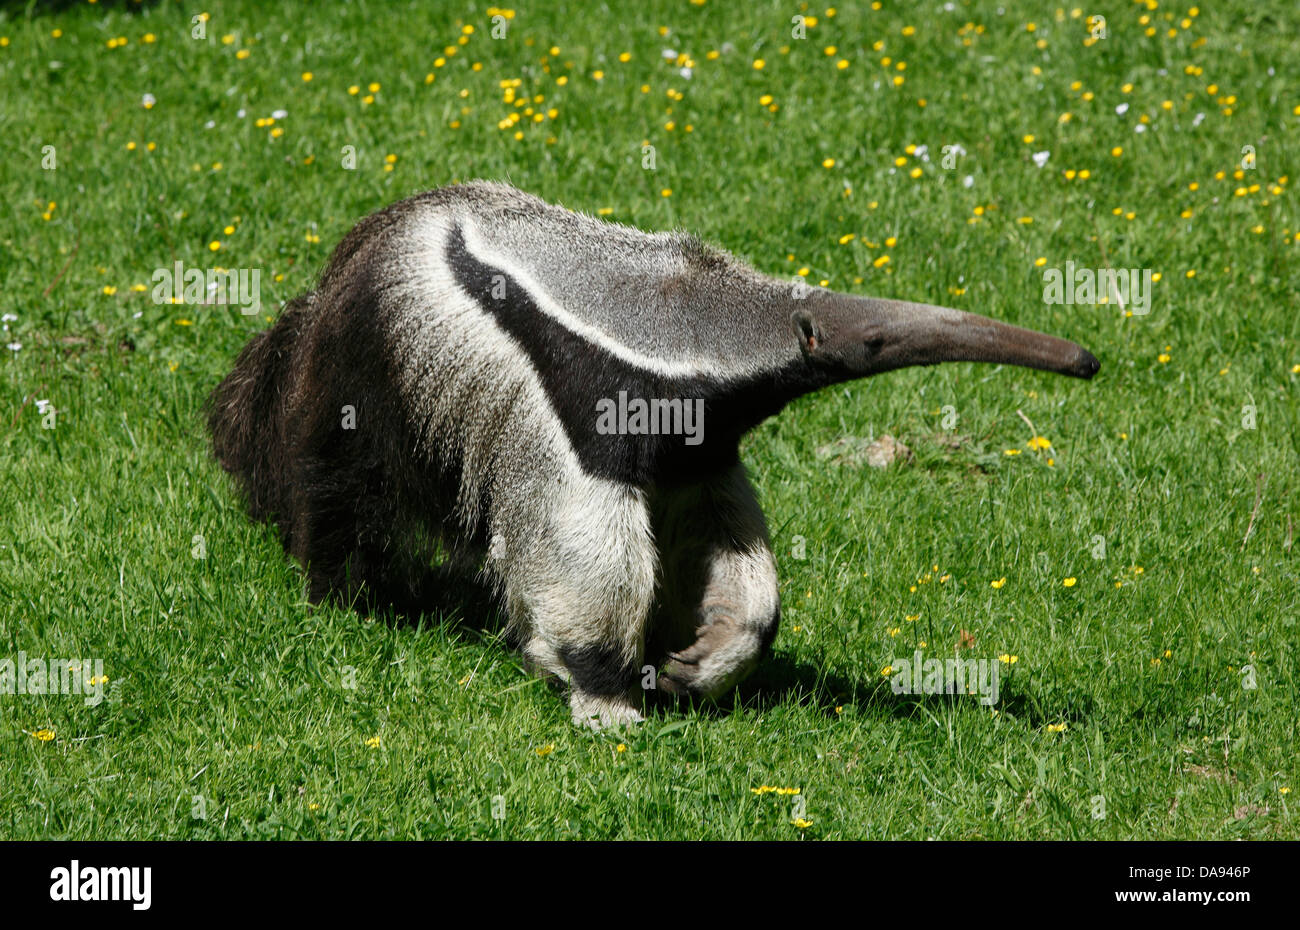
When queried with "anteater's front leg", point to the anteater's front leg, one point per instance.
{"points": [[719, 608], [579, 583]]}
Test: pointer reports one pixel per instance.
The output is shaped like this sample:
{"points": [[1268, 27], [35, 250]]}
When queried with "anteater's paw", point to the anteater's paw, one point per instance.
{"points": [[724, 653], [601, 711]]}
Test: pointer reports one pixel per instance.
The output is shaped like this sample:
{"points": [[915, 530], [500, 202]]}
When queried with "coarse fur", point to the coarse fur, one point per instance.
{"points": [[442, 383]]}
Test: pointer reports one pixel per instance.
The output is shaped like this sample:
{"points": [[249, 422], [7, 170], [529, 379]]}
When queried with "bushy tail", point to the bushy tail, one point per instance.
{"points": [[248, 416]]}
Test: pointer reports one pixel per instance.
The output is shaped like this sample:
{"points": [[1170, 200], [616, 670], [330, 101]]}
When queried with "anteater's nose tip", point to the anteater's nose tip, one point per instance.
{"points": [[1086, 365]]}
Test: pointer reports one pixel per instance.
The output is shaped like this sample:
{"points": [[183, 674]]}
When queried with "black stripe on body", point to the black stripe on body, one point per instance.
{"points": [[576, 373]]}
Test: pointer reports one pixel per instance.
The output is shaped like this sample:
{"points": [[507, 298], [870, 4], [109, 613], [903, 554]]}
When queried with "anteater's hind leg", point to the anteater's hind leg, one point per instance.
{"points": [[348, 528], [718, 610], [338, 533], [579, 580]]}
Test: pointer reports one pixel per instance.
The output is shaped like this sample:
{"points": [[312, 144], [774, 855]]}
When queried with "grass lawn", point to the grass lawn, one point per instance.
{"points": [[1127, 562]]}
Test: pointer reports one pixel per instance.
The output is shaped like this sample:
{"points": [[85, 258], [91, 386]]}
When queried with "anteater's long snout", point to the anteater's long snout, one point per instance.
{"points": [[898, 334]]}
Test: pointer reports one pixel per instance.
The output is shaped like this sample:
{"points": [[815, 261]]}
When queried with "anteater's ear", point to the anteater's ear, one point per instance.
{"points": [[809, 333]]}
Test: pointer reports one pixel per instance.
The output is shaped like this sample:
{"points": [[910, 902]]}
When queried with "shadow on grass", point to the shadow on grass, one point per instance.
{"points": [[779, 679], [453, 598]]}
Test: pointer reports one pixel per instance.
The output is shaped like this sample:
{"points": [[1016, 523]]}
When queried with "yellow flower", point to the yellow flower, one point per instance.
{"points": [[43, 735], [1056, 728], [1070, 582], [802, 824], [759, 64], [666, 192], [1007, 659], [546, 750], [999, 583], [1117, 151], [373, 742], [887, 671], [307, 76], [1010, 451], [621, 747], [1039, 442], [828, 163]]}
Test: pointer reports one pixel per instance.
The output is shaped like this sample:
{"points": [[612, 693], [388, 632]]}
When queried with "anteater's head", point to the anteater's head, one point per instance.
{"points": [[863, 336]]}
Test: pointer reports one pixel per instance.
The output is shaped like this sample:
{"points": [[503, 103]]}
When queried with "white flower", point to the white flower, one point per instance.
{"points": [[148, 100], [210, 124], [9, 318], [686, 73], [669, 54], [1040, 158], [1122, 109], [968, 181], [240, 112], [922, 152], [15, 346], [1140, 127], [1198, 119], [279, 114]]}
